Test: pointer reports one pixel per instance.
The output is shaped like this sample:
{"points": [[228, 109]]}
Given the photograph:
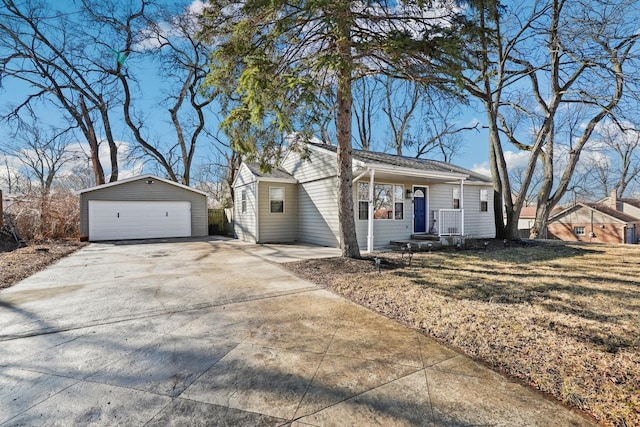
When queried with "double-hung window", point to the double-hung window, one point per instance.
{"points": [[243, 198], [456, 198], [276, 199], [484, 200], [388, 201]]}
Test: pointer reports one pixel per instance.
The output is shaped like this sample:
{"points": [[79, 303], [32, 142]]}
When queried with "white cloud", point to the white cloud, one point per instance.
{"points": [[154, 36], [516, 159], [196, 7], [482, 168]]}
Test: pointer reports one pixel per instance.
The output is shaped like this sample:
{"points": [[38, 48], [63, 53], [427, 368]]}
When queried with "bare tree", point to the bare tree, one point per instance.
{"points": [[618, 164], [41, 151], [366, 107], [402, 104], [579, 78], [169, 37], [49, 51]]}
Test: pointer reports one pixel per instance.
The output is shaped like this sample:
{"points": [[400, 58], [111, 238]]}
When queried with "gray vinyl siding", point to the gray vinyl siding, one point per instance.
{"points": [[478, 224], [277, 227], [244, 224], [384, 230], [440, 197], [139, 190], [317, 197], [319, 165], [318, 212]]}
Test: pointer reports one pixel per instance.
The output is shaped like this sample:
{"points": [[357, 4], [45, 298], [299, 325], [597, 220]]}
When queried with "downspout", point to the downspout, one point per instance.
{"points": [[462, 204], [370, 212]]}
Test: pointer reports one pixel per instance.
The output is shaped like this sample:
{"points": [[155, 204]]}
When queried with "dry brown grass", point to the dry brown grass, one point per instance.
{"points": [[564, 318], [17, 263]]}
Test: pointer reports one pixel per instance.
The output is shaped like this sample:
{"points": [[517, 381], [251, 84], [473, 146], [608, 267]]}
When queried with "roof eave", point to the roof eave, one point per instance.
{"points": [[280, 180], [414, 172], [138, 178]]}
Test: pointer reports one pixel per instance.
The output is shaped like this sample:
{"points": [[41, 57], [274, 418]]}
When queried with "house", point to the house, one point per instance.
{"points": [[527, 218], [610, 220], [394, 197], [142, 207]]}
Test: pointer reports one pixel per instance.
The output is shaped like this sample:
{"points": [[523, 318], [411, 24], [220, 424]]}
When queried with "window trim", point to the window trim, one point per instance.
{"points": [[456, 200], [484, 200], [284, 192], [243, 201], [576, 229], [394, 201]]}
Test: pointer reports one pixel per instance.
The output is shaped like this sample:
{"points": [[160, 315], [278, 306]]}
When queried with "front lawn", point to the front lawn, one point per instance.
{"points": [[564, 318]]}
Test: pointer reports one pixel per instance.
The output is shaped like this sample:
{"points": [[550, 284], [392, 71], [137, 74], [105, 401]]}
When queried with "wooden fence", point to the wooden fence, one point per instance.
{"points": [[220, 221]]}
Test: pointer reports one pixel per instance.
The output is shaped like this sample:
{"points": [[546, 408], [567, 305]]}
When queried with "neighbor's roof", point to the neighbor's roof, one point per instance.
{"points": [[632, 202], [137, 178], [599, 207], [606, 209], [409, 162], [528, 212]]}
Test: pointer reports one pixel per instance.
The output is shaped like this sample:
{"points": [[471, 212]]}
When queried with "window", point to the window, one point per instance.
{"points": [[484, 200], [388, 201], [456, 198], [363, 200], [276, 199], [244, 201], [398, 204], [578, 231]]}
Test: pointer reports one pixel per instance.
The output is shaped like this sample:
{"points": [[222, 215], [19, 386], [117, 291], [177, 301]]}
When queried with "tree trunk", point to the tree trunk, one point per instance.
{"points": [[113, 148], [344, 99]]}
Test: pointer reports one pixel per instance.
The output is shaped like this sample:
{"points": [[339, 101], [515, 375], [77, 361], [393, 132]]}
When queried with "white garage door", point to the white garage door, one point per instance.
{"points": [[115, 220]]}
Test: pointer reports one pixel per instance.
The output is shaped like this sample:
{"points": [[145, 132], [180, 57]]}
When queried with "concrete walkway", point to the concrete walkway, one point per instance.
{"points": [[208, 333]]}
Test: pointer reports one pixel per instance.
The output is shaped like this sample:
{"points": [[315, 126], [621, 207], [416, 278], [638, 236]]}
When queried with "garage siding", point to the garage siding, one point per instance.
{"points": [[139, 190]]}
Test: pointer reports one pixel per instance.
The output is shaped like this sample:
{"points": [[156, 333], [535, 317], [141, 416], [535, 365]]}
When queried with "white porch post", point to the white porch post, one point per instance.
{"points": [[462, 205], [372, 174]]}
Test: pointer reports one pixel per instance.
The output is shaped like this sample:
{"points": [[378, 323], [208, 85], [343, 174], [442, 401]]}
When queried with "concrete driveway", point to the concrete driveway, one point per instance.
{"points": [[214, 332]]}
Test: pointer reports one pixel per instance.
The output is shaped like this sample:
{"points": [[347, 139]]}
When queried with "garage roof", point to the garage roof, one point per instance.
{"points": [[137, 178]]}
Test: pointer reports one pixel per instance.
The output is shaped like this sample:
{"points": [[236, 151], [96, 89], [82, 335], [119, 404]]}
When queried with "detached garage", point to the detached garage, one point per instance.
{"points": [[143, 207]]}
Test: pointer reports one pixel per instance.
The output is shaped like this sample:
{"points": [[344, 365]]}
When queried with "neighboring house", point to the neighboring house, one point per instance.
{"points": [[142, 207], [527, 218], [610, 220], [393, 197]]}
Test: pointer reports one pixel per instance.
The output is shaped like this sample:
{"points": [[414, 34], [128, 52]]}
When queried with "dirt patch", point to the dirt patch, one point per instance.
{"points": [[563, 318], [18, 262]]}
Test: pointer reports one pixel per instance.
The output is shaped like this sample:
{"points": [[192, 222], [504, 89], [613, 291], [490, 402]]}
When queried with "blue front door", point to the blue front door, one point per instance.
{"points": [[419, 209]]}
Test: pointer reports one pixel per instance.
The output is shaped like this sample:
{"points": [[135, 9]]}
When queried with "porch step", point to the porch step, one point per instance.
{"points": [[416, 245], [425, 236]]}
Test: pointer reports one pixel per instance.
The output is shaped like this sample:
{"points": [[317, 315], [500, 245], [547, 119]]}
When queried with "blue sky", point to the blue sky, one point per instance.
{"points": [[472, 155]]}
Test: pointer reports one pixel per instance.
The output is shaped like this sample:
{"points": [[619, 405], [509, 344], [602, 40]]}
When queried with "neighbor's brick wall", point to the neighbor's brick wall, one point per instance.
{"points": [[611, 233]]}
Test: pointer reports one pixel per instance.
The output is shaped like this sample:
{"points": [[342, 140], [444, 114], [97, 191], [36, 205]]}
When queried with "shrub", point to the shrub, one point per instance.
{"points": [[50, 216]]}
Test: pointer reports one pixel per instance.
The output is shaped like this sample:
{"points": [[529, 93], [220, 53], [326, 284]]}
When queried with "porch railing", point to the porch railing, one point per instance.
{"points": [[451, 222]]}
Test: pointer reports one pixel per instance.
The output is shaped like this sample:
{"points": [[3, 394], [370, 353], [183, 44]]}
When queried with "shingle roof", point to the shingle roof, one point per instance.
{"points": [[611, 212], [275, 172], [410, 162], [632, 202]]}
